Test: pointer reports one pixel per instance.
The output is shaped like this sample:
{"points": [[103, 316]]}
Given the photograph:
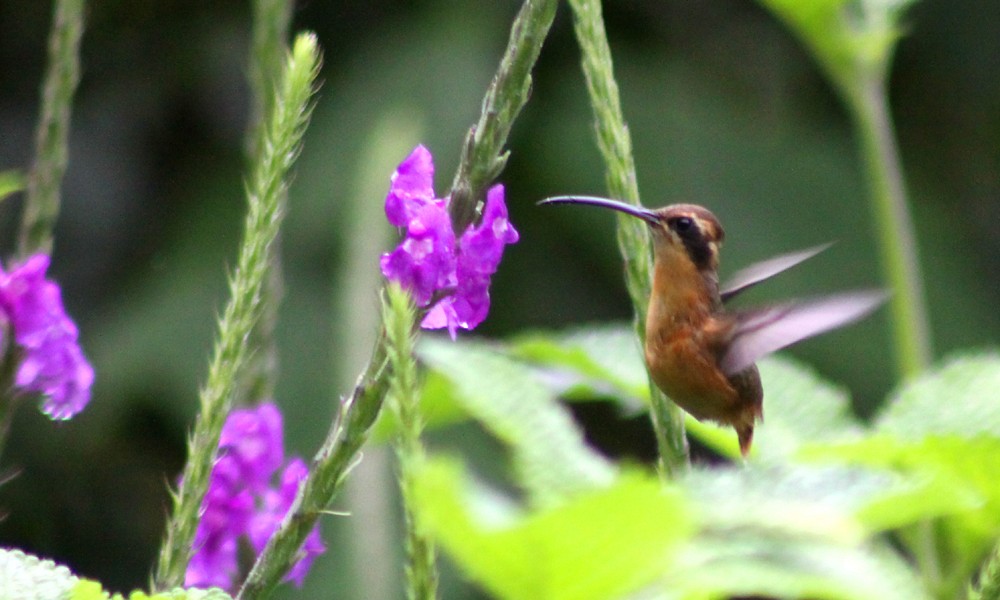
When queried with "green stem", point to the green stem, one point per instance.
{"points": [[51, 146], [399, 318], [615, 145], [329, 469], [267, 186], [483, 156], [869, 111], [269, 47]]}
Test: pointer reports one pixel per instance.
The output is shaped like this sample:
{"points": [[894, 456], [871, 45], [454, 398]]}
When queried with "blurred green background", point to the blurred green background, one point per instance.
{"points": [[725, 110]]}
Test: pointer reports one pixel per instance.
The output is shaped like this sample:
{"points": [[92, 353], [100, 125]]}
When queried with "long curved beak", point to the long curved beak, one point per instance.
{"points": [[636, 211]]}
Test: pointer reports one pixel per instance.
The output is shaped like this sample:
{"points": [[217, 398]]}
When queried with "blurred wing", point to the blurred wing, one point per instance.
{"points": [[761, 332], [755, 273]]}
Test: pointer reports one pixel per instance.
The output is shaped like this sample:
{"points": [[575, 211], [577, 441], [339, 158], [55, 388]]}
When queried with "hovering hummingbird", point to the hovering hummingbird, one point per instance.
{"points": [[699, 353]]}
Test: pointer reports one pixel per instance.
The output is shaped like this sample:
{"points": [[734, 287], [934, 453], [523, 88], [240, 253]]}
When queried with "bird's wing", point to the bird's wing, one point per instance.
{"points": [[758, 272], [762, 331]]}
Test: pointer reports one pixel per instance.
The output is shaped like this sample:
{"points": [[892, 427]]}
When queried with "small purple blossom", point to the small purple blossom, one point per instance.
{"points": [[275, 506], [240, 502], [448, 275], [53, 364]]}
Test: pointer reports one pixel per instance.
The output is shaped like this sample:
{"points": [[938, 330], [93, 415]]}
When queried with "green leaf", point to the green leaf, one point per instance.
{"points": [[87, 589], [799, 408], [589, 361], [550, 456], [953, 477], [32, 578], [842, 504], [775, 567], [792, 532], [11, 182], [848, 37], [958, 398], [599, 544]]}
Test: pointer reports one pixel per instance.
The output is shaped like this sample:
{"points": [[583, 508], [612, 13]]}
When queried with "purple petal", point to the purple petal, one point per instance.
{"points": [[425, 260], [53, 364], [412, 187], [482, 246], [253, 436]]}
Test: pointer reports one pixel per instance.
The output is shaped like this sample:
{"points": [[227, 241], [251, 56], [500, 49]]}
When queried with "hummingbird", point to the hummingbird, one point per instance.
{"points": [[700, 353]]}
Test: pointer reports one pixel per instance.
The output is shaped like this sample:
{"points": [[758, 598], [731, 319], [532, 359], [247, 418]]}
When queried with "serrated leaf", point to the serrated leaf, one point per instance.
{"points": [[959, 483], [598, 359], [800, 407], [599, 544], [775, 567], [962, 398], [550, 456], [27, 577], [87, 589], [837, 503]]}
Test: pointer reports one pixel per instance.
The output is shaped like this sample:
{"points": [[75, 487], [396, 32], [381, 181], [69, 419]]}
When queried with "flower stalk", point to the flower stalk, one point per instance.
{"points": [[267, 185], [399, 316], [615, 144], [483, 157], [481, 162], [853, 43], [268, 49], [51, 138]]}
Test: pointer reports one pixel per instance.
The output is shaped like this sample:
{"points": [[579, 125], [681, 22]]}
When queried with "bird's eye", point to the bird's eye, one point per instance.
{"points": [[682, 224]]}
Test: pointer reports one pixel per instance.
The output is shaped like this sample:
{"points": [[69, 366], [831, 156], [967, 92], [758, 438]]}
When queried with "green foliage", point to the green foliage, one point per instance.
{"points": [[808, 516], [91, 590], [942, 428], [27, 577], [601, 543], [549, 455]]}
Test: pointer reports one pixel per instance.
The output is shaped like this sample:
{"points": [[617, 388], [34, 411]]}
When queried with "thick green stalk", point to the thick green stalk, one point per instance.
{"points": [[853, 43], [51, 147], [266, 187], [373, 536], [615, 145], [399, 316], [869, 111], [269, 47], [483, 156], [329, 468]]}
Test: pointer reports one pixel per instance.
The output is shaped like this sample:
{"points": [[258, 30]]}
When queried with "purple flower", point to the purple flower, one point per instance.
{"points": [[241, 503], [53, 364], [449, 276], [276, 505]]}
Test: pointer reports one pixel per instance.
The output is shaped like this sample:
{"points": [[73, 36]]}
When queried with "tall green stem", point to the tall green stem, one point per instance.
{"points": [[268, 49], [399, 317], [267, 186], [615, 144], [483, 156], [51, 138], [898, 249]]}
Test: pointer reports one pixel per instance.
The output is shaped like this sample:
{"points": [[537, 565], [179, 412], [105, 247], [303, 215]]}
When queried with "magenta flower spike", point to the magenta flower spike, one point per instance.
{"points": [[242, 503], [52, 364], [446, 273]]}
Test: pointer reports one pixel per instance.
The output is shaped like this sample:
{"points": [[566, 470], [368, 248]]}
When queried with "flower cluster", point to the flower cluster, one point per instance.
{"points": [[240, 502], [445, 272], [52, 363]]}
